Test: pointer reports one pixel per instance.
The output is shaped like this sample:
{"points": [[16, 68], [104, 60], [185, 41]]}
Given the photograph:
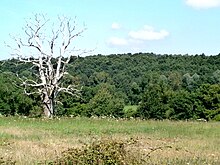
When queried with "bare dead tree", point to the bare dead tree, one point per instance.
{"points": [[49, 50]]}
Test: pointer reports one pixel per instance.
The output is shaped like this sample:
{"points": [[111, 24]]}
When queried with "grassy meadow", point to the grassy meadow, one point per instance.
{"points": [[32, 141]]}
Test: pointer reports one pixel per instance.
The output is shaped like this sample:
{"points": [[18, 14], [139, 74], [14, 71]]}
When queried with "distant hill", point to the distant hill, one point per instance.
{"points": [[129, 75]]}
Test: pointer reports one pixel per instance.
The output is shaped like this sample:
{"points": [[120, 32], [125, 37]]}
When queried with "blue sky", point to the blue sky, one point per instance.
{"points": [[123, 26]]}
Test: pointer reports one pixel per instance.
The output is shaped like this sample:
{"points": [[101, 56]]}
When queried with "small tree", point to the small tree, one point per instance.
{"points": [[48, 51]]}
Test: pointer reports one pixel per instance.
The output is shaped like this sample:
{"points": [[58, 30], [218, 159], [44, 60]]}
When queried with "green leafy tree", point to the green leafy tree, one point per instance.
{"points": [[106, 102], [181, 105], [12, 99], [209, 95], [216, 77], [155, 102]]}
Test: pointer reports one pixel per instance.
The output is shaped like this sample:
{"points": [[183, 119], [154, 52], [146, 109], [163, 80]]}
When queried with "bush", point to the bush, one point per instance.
{"points": [[101, 152], [36, 111], [130, 111], [217, 117]]}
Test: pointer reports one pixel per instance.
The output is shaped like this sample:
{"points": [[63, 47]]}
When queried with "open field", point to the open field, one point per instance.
{"points": [[28, 141]]}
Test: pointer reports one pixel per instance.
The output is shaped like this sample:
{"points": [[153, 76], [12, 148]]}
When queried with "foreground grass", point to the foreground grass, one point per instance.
{"points": [[28, 141]]}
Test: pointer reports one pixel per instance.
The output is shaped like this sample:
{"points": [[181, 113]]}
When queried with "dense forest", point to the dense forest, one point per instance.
{"points": [[143, 85]]}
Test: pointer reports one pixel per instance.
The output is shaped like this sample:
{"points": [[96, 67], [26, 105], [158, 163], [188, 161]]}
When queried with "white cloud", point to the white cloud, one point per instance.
{"points": [[137, 40], [116, 41], [115, 26], [148, 33], [203, 4]]}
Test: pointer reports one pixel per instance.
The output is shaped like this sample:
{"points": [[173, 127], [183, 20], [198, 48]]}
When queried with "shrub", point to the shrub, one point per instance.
{"points": [[130, 111], [101, 152], [217, 117]]}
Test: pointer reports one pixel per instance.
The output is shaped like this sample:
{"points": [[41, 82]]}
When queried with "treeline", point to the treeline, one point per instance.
{"points": [[158, 86]]}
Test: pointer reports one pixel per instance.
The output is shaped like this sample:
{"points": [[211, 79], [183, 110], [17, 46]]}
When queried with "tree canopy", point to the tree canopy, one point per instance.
{"points": [[161, 86]]}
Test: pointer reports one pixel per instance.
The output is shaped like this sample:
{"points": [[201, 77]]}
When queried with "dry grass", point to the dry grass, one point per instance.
{"points": [[28, 141], [25, 147]]}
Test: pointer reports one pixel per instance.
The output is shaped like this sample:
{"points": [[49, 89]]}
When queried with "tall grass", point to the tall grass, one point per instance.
{"points": [[28, 140]]}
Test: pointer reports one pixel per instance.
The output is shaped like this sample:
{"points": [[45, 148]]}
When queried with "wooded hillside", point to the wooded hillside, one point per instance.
{"points": [[159, 87]]}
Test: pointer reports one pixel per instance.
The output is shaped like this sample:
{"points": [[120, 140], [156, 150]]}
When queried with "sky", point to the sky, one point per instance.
{"points": [[125, 26]]}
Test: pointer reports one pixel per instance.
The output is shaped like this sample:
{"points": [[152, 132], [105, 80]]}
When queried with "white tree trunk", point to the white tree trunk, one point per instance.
{"points": [[48, 107], [48, 104]]}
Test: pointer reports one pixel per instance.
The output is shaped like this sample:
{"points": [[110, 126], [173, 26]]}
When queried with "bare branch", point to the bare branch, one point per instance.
{"points": [[71, 89]]}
